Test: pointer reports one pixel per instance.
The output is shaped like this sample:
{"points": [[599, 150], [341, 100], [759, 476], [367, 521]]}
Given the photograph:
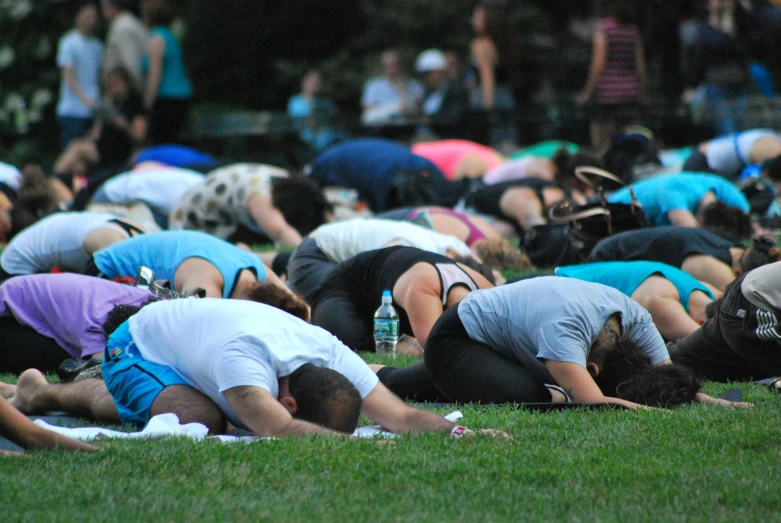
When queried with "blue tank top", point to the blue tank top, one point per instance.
{"points": [[173, 83], [626, 276], [163, 252]]}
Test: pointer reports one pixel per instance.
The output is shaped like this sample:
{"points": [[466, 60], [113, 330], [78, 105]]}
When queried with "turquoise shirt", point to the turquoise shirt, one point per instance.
{"points": [[173, 83], [662, 194], [626, 276], [163, 252]]}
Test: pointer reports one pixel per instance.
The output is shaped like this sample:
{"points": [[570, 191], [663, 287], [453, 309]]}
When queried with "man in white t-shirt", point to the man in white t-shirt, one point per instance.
{"points": [[331, 244], [79, 57], [214, 360], [125, 42]]}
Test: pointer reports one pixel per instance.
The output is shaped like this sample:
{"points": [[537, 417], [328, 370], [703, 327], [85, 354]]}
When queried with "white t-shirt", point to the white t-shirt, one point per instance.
{"points": [[84, 55], [55, 241], [216, 345], [159, 189], [11, 176], [341, 241]]}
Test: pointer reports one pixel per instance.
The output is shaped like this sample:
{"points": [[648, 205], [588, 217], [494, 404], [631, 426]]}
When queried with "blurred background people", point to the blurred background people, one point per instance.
{"points": [[125, 41], [393, 94]]}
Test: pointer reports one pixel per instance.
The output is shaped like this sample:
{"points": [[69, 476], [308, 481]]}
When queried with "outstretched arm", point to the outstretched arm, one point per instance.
{"points": [[262, 414], [18, 428], [581, 386], [273, 223]]}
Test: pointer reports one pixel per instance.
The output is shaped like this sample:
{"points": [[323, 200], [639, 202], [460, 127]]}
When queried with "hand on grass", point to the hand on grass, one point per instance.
{"points": [[704, 399], [493, 433]]}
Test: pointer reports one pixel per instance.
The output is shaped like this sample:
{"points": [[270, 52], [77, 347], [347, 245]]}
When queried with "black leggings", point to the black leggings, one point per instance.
{"points": [[339, 314], [307, 268], [22, 348], [459, 369]]}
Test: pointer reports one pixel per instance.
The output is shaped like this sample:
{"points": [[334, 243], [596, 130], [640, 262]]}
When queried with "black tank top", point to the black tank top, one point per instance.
{"points": [[364, 277], [670, 245]]}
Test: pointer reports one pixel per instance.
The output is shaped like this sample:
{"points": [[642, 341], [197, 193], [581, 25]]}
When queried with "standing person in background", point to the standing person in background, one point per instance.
{"points": [[79, 56], [168, 90], [125, 42], [492, 57], [719, 69], [616, 84], [313, 112], [392, 95]]}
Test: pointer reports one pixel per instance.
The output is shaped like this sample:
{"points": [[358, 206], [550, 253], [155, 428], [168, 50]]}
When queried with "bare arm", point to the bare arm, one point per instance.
{"points": [[384, 407], [18, 428], [424, 307], [598, 60], [139, 127], [273, 223], [682, 218], [155, 54], [262, 414], [581, 386], [70, 79], [485, 55]]}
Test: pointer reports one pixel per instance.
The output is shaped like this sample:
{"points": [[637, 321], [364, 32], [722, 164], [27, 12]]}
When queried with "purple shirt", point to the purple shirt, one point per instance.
{"points": [[69, 308]]}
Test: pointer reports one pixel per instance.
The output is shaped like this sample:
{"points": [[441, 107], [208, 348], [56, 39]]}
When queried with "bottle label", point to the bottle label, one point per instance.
{"points": [[386, 328]]}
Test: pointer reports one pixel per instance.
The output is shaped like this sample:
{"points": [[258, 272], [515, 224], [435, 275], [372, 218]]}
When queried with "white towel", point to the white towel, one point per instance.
{"points": [[165, 425]]}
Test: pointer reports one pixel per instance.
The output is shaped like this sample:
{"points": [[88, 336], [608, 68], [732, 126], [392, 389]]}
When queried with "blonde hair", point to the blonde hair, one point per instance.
{"points": [[498, 254]]}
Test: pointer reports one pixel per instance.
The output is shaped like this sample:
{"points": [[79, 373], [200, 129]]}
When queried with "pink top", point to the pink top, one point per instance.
{"points": [[448, 154]]}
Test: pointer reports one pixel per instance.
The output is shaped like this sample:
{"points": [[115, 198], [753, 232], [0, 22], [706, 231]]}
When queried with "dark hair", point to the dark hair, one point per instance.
{"points": [[566, 163], [728, 222], [326, 398], [126, 77], [35, 200], [630, 155], [761, 252], [624, 11], [301, 202], [772, 168], [484, 270], [158, 12], [121, 313], [661, 386], [619, 364], [273, 296]]}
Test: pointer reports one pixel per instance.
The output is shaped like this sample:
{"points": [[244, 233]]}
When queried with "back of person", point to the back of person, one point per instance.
{"points": [[55, 241], [728, 155], [180, 334], [628, 276], [450, 156], [159, 189], [38, 301], [174, 83], [368, 165], [163, 252], [670, 245], [343, 240], [619, 82]]}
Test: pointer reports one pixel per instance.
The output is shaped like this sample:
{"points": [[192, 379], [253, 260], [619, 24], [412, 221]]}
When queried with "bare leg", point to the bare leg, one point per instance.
{"points": [[190, 406], [86, 398], [7, 390]]}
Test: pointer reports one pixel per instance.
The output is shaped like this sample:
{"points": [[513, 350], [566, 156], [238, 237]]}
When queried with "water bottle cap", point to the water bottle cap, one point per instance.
{"points": [[386, 294]]}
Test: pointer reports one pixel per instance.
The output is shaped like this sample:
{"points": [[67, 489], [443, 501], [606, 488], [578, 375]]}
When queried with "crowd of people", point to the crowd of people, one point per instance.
{"points": [[634, 272]]}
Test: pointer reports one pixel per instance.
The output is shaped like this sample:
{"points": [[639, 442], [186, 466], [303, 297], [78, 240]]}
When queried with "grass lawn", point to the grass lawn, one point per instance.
{"points": [[696, 463]]}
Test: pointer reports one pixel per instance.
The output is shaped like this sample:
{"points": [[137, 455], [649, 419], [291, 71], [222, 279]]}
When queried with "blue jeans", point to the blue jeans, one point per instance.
{"points": [[72, 128]]}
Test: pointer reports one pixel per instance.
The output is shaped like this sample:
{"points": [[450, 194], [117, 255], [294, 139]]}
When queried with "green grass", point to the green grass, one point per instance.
{"points": [[693, 464]]}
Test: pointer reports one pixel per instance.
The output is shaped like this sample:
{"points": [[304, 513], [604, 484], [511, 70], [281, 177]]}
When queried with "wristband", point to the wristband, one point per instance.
{"points": [[459, 431]]}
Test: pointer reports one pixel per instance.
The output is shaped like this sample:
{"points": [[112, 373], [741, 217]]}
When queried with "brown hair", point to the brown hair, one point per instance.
{"points": [[275, 297], [157, 12], [35, 200], [761, 252], [566, 163], [728, 222], [498, 254]]}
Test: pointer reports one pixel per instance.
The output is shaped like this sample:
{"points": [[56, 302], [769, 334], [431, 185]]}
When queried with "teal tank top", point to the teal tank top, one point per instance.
{"points": [[626, 276], [163, 252], [174, 82]]}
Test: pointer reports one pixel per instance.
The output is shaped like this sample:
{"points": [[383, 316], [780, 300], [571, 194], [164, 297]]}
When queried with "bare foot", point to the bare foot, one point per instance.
{"points": [[409, 346], [375, 367], [27, 388], [7, 390]]}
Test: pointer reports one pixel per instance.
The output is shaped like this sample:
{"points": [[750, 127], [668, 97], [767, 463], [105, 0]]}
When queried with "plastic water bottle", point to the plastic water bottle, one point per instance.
{"points": [[386, 327]]}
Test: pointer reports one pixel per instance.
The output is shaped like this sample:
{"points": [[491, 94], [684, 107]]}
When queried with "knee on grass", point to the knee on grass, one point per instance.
{"points": [[190, 406]]}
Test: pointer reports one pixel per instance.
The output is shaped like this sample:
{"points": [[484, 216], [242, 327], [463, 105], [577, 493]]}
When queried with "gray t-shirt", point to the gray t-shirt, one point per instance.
{"points": [[554, 319]]}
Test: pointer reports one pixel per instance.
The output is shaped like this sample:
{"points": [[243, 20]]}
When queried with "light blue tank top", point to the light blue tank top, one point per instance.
{"points": [[163, 252], [174, 83], [626, 276]]}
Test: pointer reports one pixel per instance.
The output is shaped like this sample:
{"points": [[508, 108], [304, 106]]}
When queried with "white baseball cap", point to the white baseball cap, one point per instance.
{"points": [[431, 60]]}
